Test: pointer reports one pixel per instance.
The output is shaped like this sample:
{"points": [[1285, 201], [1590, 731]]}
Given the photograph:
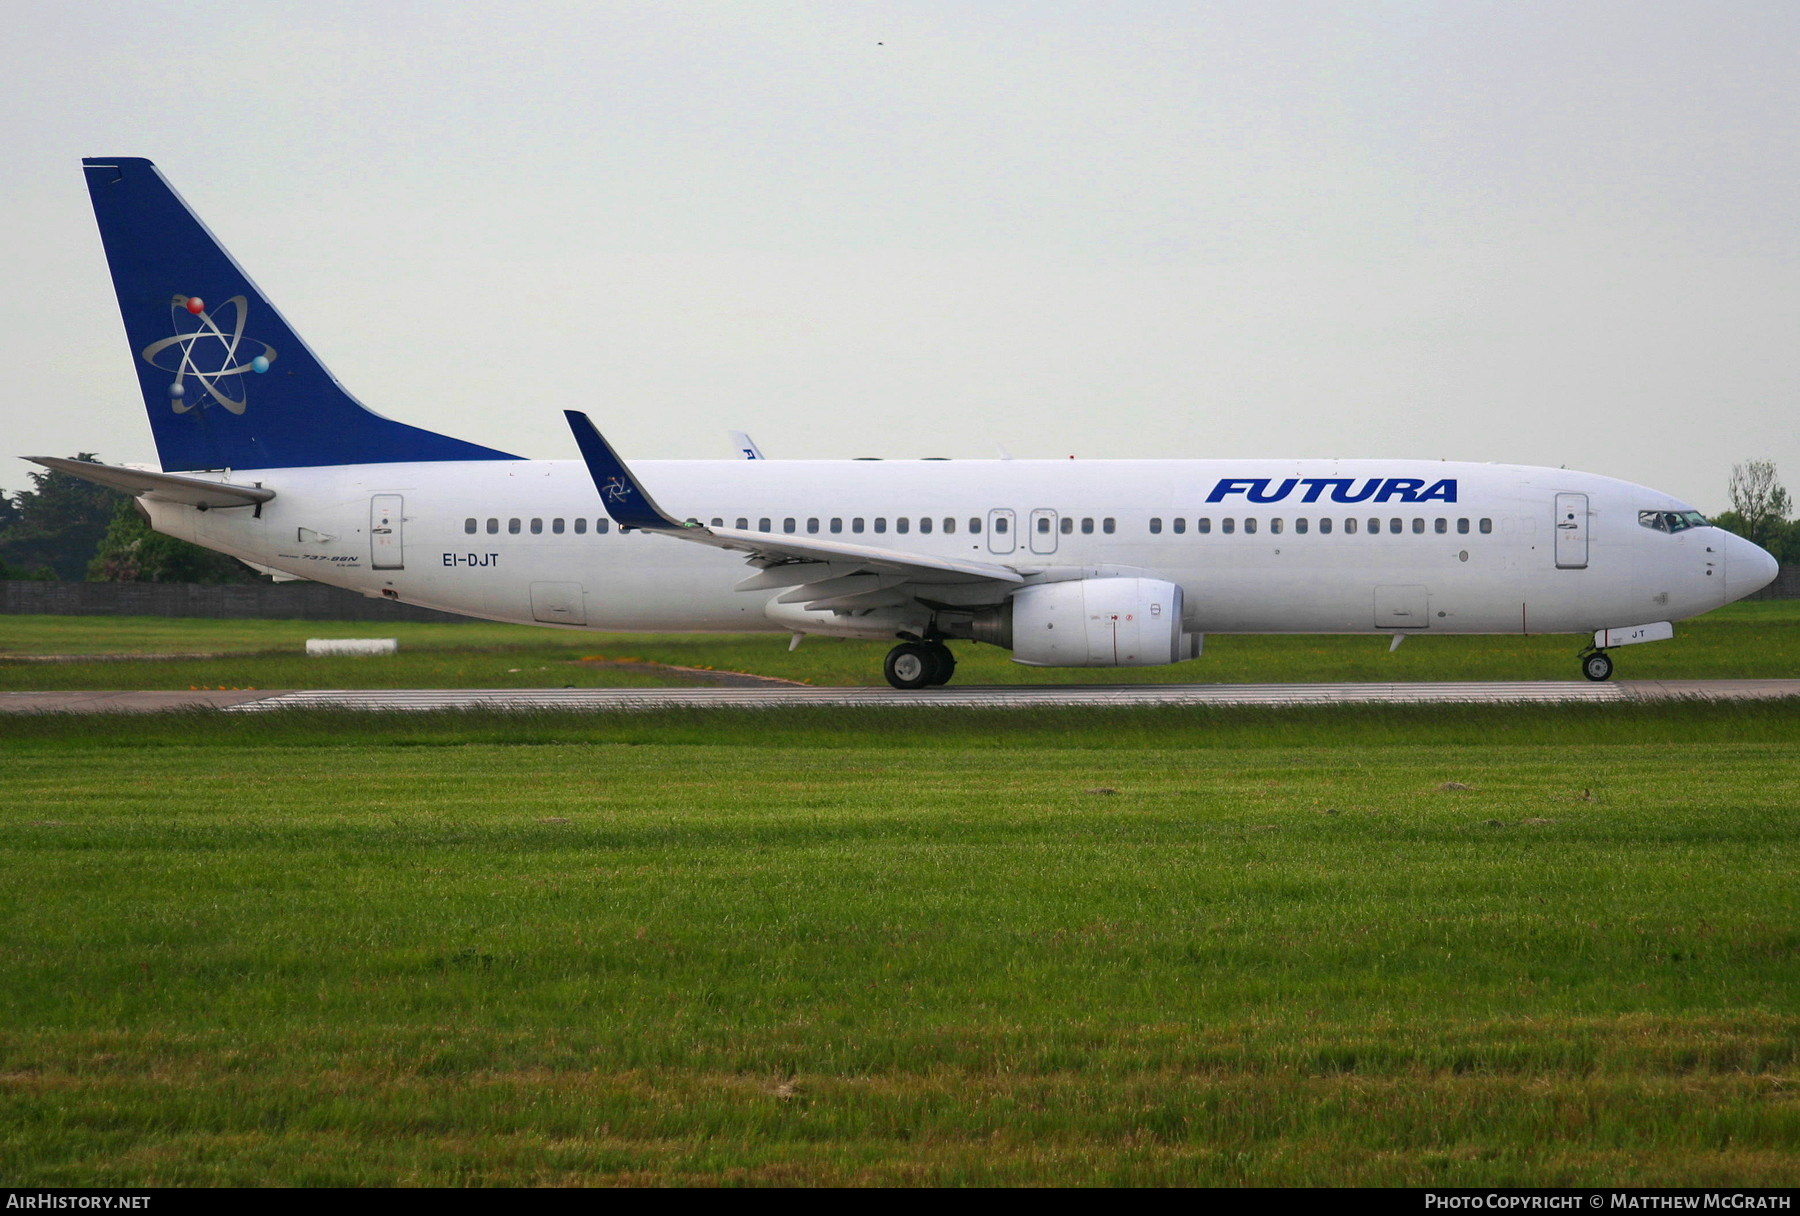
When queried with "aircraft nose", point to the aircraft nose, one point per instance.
{"points": [[1748, 568]]}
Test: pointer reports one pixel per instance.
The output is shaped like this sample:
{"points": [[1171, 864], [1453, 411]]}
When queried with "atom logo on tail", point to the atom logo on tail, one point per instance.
{"points": [[208, 354]]}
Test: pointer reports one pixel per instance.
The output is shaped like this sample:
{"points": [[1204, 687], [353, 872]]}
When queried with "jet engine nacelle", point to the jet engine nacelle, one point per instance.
{"points": [[1099, 622]]}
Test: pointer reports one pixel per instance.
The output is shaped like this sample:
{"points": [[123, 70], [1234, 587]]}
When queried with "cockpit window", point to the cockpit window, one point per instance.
{"points": [[1671, 521]]}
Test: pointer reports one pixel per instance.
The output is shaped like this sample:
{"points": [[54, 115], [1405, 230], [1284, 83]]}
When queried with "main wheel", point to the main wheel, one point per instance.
{"points": [[910, 665], [1597, 666], [943, 663]]}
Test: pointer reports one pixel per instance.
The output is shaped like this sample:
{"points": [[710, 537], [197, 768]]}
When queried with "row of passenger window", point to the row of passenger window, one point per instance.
{"points": [[515, 526], [1067, 525], [859, 525], [1302, 525], [765, 524]]}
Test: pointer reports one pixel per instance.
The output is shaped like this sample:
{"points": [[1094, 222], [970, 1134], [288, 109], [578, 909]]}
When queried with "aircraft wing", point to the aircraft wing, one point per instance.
{"points": [[916, 566], [831, 573], [194, 491]]}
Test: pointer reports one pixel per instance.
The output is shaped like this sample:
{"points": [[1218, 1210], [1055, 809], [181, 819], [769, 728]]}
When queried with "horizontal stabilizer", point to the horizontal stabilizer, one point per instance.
{"points": [[168, 487]]}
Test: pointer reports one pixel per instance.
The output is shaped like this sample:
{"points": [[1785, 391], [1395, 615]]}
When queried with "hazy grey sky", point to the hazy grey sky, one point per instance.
{"points": [[1551, 233]]}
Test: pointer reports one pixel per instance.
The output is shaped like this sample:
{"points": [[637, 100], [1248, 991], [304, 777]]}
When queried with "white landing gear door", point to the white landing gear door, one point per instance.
{"points": [[1402, 608], [558, 604], [387, 532], [1571, 531]]}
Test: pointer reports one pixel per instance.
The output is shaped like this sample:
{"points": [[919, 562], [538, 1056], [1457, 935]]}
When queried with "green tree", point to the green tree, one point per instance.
{"points": [[42, 574], [1786, 544], [57, 524], [134, 552], [1759, 510], [1759, 500]]}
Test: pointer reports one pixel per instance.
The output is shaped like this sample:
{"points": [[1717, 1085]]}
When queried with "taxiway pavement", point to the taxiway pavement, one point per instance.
{"points": [[1042, 696]]}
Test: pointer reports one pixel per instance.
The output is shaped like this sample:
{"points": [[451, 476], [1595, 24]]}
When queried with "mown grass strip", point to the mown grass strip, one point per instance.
{"points": [[1397, 945], [1740, 641]]}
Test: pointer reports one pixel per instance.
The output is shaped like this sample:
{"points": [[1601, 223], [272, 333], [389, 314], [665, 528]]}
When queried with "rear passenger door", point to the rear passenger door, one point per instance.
{"points": [[387, 532]]}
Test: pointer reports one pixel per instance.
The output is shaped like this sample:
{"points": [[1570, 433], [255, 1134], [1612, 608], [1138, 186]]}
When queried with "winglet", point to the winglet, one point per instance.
{"points": [[624, 497]]}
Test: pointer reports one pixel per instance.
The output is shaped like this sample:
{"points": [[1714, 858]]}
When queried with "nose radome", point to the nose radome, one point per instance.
{"points": [[1748, 568]]}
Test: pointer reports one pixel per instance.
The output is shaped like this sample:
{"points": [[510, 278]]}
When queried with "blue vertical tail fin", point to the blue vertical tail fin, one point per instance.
{"points": [[226, 382]]}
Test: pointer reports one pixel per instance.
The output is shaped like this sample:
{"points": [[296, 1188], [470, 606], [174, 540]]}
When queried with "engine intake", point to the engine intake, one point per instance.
{"points": [[1099, 622]]}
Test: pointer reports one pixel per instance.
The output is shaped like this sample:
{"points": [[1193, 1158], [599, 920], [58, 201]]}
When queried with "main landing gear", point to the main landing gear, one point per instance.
{"points": [[1596, 665], [920, 665]]}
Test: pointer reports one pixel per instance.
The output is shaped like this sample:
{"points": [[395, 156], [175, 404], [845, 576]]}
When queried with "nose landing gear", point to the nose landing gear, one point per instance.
{"points": [[1596, 665], [919, 665]]}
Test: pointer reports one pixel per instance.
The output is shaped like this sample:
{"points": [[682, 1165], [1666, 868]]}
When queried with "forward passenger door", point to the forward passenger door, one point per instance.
{"points": [[1571, 531]]}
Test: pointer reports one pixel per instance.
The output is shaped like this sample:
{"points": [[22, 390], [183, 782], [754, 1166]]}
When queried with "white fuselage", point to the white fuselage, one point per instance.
{"points": [[1498, 551]]}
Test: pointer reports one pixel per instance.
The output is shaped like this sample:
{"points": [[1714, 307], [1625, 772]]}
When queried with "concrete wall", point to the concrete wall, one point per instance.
{"points": [[1785, 587], [270, 601]]}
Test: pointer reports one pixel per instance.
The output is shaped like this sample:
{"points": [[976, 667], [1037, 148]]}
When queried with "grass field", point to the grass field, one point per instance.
{"points": [[1741, 641], [1463, 946]]}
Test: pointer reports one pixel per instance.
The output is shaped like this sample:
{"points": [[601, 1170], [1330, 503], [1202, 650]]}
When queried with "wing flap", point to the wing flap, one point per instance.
{"points": [[793, 573], [919, 567], [853, 584], [862, 601]]}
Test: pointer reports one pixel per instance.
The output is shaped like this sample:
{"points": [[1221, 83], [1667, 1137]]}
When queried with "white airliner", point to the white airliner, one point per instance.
{"points": [[1105, 563]]}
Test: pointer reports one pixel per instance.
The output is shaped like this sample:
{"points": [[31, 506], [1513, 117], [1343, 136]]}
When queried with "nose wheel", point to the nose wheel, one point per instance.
{"points": [[1597, 665], [919, 665]]}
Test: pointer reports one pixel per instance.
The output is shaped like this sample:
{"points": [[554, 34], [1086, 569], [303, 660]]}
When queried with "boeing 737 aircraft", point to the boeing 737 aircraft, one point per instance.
{"points": [[1104, 563]]}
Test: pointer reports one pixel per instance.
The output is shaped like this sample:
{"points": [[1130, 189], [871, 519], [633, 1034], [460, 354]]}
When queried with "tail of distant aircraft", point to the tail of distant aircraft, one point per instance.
{"points": [[226, 382]]}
